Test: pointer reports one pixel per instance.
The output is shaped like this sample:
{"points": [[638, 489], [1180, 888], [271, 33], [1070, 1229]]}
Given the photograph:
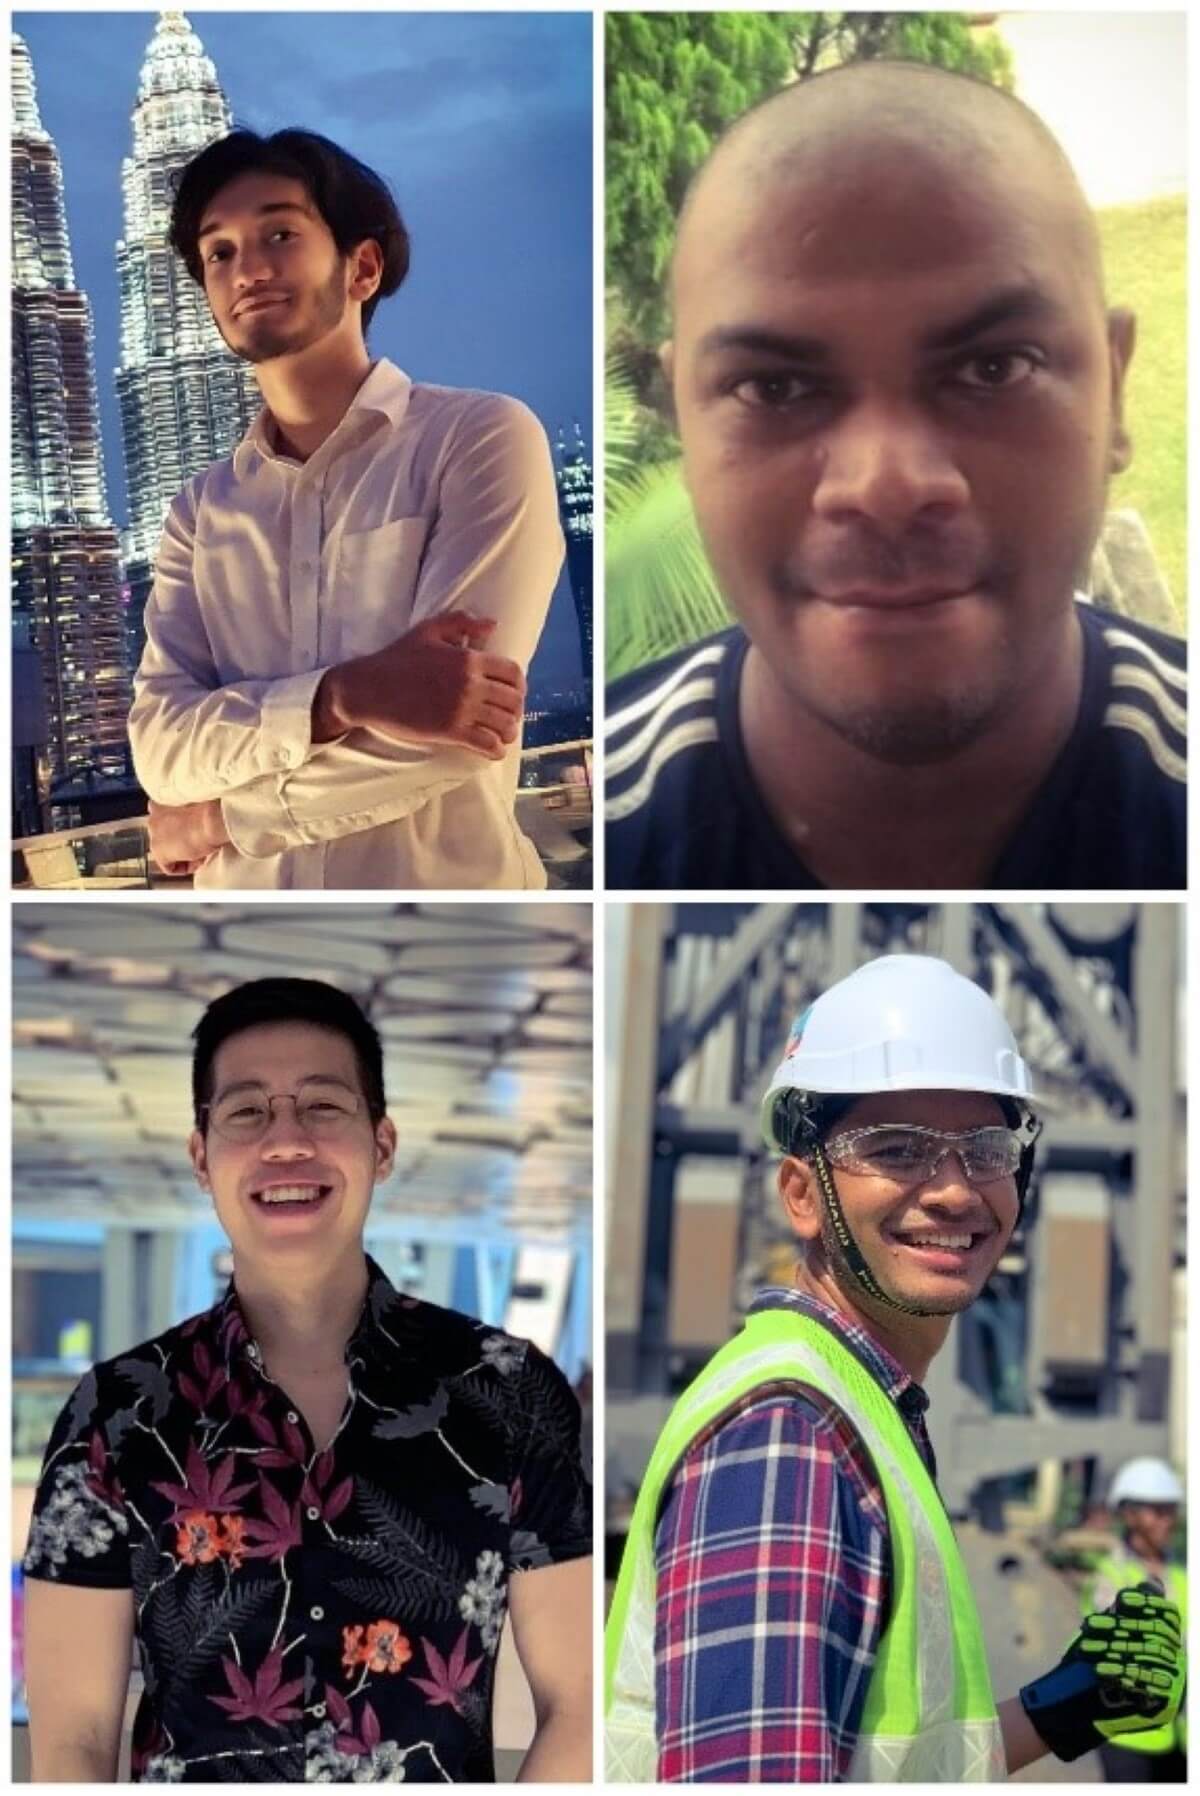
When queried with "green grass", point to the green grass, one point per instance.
{"points": [[1145, 261]]}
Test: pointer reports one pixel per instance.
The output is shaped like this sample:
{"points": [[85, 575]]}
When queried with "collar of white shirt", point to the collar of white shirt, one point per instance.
{"points": [[385, 392]]}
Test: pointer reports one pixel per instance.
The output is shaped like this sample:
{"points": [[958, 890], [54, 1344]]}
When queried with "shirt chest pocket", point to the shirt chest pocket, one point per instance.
{"points": [[371, 583]]}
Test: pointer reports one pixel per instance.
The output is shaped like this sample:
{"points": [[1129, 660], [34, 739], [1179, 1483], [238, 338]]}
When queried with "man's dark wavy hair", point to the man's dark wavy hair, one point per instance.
{"points": [[287, 1001], [354, 201]]}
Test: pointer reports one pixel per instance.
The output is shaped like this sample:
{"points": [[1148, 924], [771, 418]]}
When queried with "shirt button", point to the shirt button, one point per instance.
{"points": [[292, 1416], [314, 1515], [317, 1613]]}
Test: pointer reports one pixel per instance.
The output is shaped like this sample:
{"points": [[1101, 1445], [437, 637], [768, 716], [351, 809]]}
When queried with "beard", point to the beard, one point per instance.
{"points": [[267, 336], [919, 730]]}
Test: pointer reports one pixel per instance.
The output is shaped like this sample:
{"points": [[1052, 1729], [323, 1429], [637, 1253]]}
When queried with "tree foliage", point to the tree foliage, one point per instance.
{"points": [[674, 81]]}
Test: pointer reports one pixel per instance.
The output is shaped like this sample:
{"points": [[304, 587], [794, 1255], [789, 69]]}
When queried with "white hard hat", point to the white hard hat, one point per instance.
{"points": [[904, 1022], [1146, 1481]]}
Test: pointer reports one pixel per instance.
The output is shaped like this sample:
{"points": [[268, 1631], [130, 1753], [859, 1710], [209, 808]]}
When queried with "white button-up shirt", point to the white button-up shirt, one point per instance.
{"points": [[270, 571]]}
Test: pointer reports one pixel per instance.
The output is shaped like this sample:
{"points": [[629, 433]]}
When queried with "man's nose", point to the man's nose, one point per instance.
{"points": [[949, 1183], [251, 264], [888, 464], [285, 1138]]}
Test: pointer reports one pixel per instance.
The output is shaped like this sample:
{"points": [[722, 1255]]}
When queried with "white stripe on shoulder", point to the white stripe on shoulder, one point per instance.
{"points": [[1141, 679], [641, 706], [1128, 717], [616, 760], [700, 729], [1121, 639]]}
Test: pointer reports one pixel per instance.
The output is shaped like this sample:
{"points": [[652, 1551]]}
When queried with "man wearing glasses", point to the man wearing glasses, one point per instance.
{"points": [[792, 1606], [314, 1504]]}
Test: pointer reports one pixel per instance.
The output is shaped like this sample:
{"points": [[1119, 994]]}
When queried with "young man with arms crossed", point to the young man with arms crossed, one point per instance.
{"points": [[312, 1504], [332, 689]]}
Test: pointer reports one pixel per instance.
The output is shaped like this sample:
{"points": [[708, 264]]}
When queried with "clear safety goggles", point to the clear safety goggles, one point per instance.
{"points": [[909, 1154]]}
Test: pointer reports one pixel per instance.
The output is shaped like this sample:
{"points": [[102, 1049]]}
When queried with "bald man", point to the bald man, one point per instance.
{"points": [[899, 392]]}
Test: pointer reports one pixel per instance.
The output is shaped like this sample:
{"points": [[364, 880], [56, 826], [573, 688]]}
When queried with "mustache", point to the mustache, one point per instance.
{"points": [[948, 560]]}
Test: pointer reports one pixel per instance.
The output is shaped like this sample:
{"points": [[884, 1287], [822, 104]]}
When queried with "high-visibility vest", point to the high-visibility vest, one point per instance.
{"points": [[929, 1714], [1123, 1571]]}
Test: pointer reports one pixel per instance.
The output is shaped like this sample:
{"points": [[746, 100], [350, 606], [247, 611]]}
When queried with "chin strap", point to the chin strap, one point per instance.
{"points": [[798, 1124], [859, 1269]]}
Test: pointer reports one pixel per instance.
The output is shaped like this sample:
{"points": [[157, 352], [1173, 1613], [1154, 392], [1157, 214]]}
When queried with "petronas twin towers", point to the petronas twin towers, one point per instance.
{"points": [[184, 402]]}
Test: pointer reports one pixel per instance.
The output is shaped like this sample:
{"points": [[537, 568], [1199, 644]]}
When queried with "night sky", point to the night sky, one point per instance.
{"points": [[482, 125]]}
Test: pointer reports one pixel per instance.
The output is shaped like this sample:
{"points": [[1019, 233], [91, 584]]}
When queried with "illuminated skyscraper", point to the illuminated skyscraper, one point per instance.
{"points": [[573, 472], [185, 399], [68, 600]]}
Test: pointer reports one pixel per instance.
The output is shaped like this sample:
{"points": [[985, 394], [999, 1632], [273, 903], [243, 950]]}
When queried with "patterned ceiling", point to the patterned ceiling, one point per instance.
{"points": [[485, 1012]]}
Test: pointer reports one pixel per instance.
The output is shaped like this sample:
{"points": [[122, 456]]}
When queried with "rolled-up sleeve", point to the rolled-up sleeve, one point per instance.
{"points": [[495, 550], [771, 1586], [193, 738]]}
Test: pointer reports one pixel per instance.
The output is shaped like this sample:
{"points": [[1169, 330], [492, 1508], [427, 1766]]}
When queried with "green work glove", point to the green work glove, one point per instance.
{"points": [[1123, 1673]]}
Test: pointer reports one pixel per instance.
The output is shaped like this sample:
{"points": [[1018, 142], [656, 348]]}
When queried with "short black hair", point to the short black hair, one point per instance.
{"points": [[354, 201], [287, 1001]]}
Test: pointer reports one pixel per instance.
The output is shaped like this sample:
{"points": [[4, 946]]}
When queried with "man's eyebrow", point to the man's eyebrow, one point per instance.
{"points": [[1011, 305], [1025, 304], [272, 206], [755, 339], [261, 1084]]}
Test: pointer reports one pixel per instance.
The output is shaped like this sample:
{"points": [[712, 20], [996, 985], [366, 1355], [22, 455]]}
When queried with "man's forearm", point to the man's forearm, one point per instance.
{"points": [[1023, 1745], [560, 1751]]}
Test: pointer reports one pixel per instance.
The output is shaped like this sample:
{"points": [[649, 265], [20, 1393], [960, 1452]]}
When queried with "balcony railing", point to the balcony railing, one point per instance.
{"points": [[554, 808]]}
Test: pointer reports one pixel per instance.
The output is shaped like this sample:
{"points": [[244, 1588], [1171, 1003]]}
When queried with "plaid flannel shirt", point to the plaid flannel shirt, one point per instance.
{"points": [[773, 1566]]}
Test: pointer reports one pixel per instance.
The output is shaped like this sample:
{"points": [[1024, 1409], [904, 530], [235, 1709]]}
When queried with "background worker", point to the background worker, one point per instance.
{"points": [[792, 1606], [1145, 1497]]}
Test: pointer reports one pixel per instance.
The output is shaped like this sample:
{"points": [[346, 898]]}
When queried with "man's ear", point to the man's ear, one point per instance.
{"points": [[801, 1194], [666, 361], [1122, 336], [366, 270], [385, 1148], [198, 1155]]}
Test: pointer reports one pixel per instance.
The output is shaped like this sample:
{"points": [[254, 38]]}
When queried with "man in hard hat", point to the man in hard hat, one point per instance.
{"points": [[1145, 1497], [792, 1606]]}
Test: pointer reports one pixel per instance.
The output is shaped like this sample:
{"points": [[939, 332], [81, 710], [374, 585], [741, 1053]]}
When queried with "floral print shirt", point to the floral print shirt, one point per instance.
{"points": [[301, 1615]]}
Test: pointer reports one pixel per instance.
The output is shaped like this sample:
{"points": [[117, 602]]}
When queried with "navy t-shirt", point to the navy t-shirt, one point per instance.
{"points": [[683, 810]]}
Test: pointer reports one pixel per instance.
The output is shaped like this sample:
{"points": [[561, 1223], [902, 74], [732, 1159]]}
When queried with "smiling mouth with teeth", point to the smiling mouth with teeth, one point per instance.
{"points": [[942, 1241], [291, 1194]]}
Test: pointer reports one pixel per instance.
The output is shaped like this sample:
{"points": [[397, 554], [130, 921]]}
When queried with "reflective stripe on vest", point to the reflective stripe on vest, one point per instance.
{"points": [[1123, 1574], [929, 1713]]}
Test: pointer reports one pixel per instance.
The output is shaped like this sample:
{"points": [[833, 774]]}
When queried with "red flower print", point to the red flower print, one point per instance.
{"points": [[387, 1648], [197, 1542], [266, 1699], [233, 1543], [352, 1649]]}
